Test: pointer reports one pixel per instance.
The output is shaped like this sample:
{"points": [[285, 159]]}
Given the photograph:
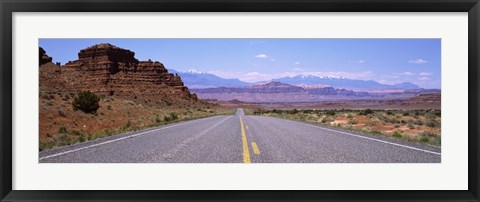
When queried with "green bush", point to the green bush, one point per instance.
{"points": [[353, 121], [330, 113], [424, 139], [166, 119], [431, 123], [62, 129], [294, 111], [397, 134], [86, 101], [366, 112], [127, 125], [377, 132], [174, 116]]}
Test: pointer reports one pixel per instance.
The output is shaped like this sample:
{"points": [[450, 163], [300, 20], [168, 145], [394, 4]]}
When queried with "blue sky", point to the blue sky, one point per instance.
{"points": [[388, 61]]}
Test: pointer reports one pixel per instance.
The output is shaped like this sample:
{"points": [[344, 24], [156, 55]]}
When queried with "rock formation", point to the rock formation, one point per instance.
{"points": [[107, 69], [43, 57]]}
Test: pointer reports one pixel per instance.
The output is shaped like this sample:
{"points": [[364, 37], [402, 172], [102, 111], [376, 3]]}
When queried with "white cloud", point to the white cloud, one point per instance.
{"points": [[298, 69], [296, 63], [407, 74], [357, 61], [418, 61], [263, 56], [425, 73], [423, 78]]}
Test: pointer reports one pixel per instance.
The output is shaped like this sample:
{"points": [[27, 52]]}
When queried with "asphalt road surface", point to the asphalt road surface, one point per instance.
{"points": [[242, 139]]}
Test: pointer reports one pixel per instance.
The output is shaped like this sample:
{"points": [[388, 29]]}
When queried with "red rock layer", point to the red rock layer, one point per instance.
{"points": [[107, 69]]}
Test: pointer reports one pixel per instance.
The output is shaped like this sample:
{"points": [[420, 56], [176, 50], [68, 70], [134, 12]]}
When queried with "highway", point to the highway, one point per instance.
{"points": [[242, 139]]}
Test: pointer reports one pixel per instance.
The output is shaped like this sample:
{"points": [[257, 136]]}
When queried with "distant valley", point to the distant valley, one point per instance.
{"points": [[300, 88]]}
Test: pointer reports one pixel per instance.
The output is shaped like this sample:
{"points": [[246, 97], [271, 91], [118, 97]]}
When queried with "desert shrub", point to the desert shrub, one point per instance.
{"points": [[389, 113], [81, 138], [353, 121], [366, 112], [397, 134], [431, 123], [158, 119], [62, 129], [376, 132], [109, 107], [127, 125], [424, 139], [419, 122], [349, 116], [436, 140], [427, 134], [46, 97], [411, 126], [86, 101], [330, 113], [173, 116], [76, 132], [431, 115]]}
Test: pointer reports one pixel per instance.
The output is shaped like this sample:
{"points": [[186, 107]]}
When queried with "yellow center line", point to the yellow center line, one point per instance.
{"points": [[256, 151], [246, 152]]}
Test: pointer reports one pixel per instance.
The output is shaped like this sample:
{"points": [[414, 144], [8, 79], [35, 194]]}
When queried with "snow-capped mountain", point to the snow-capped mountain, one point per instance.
{"points": [[196, 79], [340, 82]]}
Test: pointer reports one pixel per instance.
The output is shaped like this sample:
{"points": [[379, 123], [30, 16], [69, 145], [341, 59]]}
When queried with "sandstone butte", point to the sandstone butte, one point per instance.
{"points": [[113, 71]]}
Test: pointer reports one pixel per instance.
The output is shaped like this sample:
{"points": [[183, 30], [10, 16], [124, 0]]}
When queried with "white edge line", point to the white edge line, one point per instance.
{"points": [[110, 141], [369, 138]]}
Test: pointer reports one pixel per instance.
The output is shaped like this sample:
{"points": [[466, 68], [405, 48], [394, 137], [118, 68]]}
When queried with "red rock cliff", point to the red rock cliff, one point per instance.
{"points": [[105, 68]]}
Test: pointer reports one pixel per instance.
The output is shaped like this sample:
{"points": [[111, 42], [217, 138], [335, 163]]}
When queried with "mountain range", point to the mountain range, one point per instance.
{"points": [[277, 92], [337, 82], [195, 79]]}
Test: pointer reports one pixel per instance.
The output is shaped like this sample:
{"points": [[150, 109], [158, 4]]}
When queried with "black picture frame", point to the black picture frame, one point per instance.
{"points": [[7, 8]]}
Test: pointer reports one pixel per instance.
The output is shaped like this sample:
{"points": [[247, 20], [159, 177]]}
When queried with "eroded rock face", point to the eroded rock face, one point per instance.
{"points": [[43, 57], [107, 69]]}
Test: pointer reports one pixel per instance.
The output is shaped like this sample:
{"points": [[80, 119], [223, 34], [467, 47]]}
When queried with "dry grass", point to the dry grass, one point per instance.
{"points": [[61, 125], [412, 125]]}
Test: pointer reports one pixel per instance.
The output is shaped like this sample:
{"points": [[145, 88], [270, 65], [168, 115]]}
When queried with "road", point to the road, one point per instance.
{"points": [[242, 139]]}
